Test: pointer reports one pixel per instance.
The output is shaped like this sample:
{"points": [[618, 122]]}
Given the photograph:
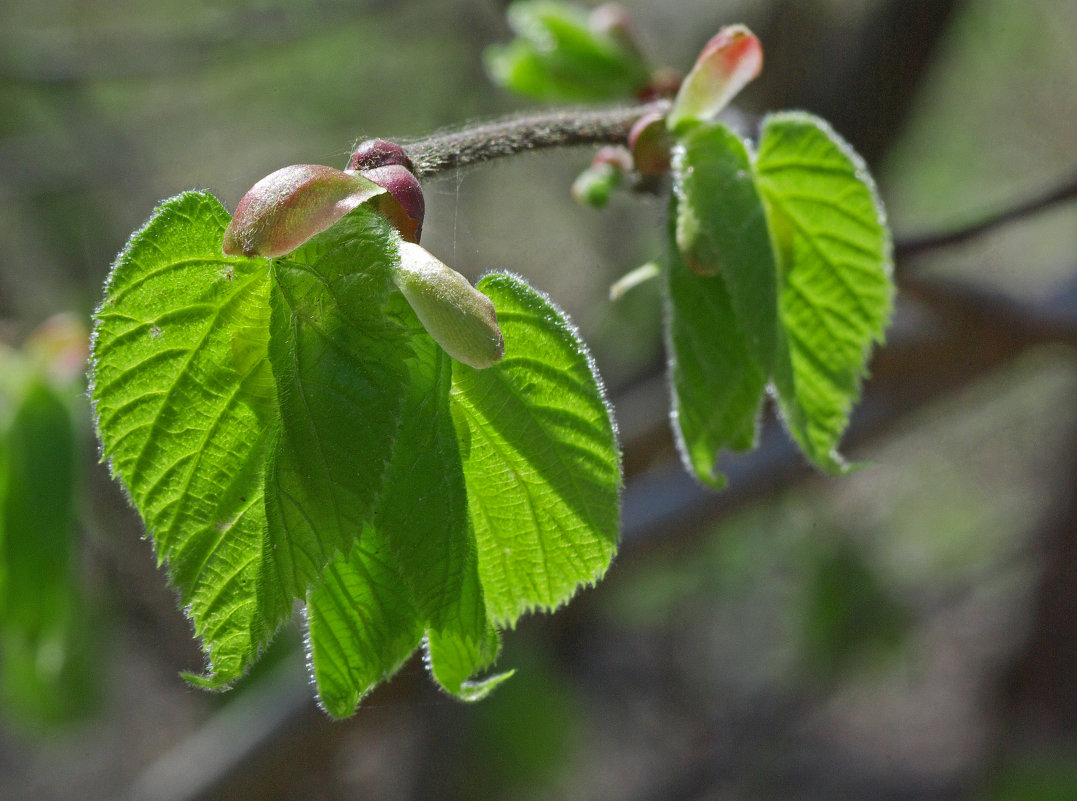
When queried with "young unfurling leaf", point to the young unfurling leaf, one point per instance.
{"points": [[459, 317]]}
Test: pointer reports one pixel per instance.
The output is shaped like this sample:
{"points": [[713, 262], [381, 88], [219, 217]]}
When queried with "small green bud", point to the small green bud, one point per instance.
{"points": [[459, 317], [291, 205], [594, 185]]}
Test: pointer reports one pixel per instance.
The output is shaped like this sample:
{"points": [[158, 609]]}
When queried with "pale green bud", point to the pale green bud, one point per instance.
{"points": [[459, 317]]}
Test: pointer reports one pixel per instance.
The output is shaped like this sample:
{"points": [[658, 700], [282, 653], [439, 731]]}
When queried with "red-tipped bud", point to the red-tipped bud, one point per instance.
{"points": [[729, 61], [289, 206], [651, 144], [613, 155], [404, 205], [375, 153]]}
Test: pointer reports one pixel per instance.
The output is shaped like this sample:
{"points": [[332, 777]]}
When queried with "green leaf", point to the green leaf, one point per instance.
{"points": [[722, 230], [717, 385], [423, 513], [289, 430], [361, 624], [338, 363], [46, 653], [37, 509], [540, 458], [179, 387], [415, 570], [558, 56], [836, 290]]}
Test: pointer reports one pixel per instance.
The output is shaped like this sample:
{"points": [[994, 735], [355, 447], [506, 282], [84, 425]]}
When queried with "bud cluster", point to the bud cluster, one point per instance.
{"points": [[730, 60], [293, 204]]}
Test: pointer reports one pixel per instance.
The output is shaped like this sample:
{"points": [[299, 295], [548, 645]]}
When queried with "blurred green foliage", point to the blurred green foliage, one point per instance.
{"points": [[47, 641]]}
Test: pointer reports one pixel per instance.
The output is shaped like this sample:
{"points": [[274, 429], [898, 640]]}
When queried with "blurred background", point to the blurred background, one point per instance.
{"points": [[907, 632]]}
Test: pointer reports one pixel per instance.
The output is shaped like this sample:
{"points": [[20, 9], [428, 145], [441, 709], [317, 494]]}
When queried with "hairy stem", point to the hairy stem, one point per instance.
{"points": [[558, 128]]}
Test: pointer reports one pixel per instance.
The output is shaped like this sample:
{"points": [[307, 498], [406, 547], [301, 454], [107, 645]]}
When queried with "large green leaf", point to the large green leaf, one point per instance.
{"points": [[424, 515], [361, 624], [540, 458], [722, 230], [338, 363], [421, 576], [289, 430], [557, 55], [836, 291], [716, 383], [179, 383]]}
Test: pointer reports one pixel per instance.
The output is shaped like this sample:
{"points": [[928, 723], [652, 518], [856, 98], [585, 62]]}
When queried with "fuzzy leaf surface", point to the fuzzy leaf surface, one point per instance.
{"points": [[338, 365], [716, 382], [540, 458], [414, 571], [362, 624], [836, 289], [179, 376]]}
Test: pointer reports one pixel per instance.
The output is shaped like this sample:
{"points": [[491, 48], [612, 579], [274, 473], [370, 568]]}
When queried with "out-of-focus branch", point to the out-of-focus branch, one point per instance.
{"points": [[909, 247]]}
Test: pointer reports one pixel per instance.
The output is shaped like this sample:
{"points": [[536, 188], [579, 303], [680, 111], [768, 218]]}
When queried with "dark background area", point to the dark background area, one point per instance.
{"points": [[906, 632]]}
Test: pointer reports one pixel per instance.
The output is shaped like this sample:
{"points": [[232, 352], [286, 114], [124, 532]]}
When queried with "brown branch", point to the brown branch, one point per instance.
{"points": [[558, 128], [916, 245]]}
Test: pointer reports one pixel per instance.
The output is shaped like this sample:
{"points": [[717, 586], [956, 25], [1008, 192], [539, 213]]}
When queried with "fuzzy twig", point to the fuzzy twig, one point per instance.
{"points": [[559, 128]]}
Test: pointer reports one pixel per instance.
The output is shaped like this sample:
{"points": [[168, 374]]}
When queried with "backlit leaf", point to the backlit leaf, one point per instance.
{"points": [[540, 458], [178, 388], [835, 291]]}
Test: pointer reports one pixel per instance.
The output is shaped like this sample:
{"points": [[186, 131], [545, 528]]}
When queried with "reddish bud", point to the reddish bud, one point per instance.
{"points": [[404, 205], [664, 83], [615, 156], [728, 62], [289, 206], [374, 153], [651, 144]]}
